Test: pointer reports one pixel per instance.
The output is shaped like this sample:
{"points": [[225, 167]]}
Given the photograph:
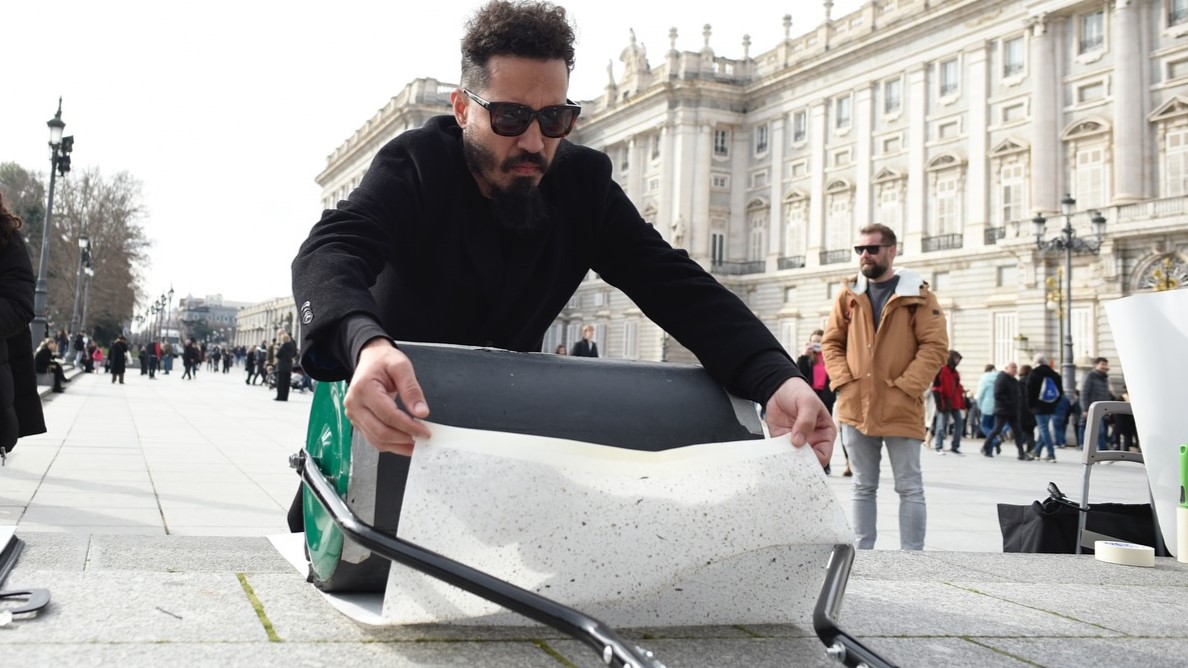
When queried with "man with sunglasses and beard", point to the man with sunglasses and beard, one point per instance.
{"points": [[885, 341], [477, 228]]}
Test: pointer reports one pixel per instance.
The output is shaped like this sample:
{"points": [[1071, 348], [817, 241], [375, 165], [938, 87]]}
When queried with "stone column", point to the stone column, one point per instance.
{"points": [[863, 126], [917, 168], [775, 218], [1046, 147], [818, 127], [1129, 104], [977, 184]]}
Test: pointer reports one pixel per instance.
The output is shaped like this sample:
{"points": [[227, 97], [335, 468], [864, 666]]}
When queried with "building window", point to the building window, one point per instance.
{"points": [[892, 145], [721, 143], [761, 139], [1177, 69], [947, 130], [1006, 326], [1012, 57], [840, 223], [624, 159], [948, 77], [788, 337], [757, 248], [653, 185], [759, 179], [717, 248], [946, 204], [1012, 189], [892, 96], [841, 108], [841, 157], [1013, 112], [1083, 336], [797, 169], [1177, 12], [889, 206], [1176, 163], [631, 339], [1092, 32], [800, 124], [720, 181], [794, 228], [1091, 92], [655, 146], [1090, 178]]}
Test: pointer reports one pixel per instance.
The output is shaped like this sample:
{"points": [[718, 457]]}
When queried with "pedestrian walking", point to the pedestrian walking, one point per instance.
{"points": [[284, 364], [950, 402], [1008, 401], [1044, 392], [118, 358], [1095, 386]]}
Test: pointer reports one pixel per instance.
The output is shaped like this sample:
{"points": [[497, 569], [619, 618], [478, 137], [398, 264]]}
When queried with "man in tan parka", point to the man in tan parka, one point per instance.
{"points": [[885, 341]]}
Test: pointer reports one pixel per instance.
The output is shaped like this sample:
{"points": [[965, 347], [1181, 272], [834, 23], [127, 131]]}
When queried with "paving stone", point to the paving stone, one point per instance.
{"points": [[1062, 653], [1148, 611], [173, 554]]}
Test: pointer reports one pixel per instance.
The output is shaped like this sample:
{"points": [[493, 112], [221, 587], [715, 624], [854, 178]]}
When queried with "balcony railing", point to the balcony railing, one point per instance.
{"points": [[942, 242], [836, 256], [993, 234], [791, 262], [738, 268]]}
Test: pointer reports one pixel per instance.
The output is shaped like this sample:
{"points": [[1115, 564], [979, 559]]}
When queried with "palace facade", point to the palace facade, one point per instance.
{"points": [[955, 122]]}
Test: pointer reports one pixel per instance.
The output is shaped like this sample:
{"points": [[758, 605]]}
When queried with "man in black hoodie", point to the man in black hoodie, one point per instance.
{"points": [[1008, 401]]}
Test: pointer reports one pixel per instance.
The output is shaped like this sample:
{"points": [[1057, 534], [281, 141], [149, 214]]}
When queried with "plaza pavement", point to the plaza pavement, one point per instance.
{"points": [[145, 506]]}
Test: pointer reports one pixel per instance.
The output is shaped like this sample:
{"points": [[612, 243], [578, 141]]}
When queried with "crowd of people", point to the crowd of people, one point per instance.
{"points": [[268, 364]]}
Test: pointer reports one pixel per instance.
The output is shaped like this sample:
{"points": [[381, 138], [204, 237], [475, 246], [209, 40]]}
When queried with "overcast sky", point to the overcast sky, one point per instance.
{"points": [[226, 110]]}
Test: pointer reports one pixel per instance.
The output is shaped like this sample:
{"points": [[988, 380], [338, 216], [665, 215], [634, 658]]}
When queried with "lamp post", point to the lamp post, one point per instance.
{"points": [[84, 242], [1068, 243], [161, 319], [169, 311], [140, 327], [60, 148], [90, 272]]}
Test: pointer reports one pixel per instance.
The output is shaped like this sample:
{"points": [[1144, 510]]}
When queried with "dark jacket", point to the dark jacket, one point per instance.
{"points": [[1095, 387], [1008, 396], [118, 356], [284, 357], [1035, 384], [416, 254], [20, 403], [584, 348]]}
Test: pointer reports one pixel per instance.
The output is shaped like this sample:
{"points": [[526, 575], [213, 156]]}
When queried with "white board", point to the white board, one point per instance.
{"points": [[721, 533]]}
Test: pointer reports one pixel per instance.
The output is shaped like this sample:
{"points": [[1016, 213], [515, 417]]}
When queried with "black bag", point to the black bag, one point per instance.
{"points": [[1050, 526]]}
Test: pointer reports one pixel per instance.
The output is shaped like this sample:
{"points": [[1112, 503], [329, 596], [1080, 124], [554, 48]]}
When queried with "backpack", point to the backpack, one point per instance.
{"points": [[1049, 393]]}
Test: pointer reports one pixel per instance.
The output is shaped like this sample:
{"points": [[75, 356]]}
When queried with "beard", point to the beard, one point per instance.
{"points": [[874, 270], [517, 206]]}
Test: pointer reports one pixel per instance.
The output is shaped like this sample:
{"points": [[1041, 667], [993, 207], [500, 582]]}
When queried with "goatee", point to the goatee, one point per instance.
{"points": [[519, 206]]}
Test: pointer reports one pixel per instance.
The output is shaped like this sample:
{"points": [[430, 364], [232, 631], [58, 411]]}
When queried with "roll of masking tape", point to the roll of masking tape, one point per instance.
{"points": [[1127, 554]]}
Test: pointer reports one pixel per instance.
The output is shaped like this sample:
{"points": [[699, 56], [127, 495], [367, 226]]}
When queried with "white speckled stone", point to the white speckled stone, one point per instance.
{"points": [[721, 533]]}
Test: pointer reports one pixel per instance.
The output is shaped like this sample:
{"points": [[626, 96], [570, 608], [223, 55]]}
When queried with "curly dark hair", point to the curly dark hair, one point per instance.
{"points": [[520, 28], [9, 223]]}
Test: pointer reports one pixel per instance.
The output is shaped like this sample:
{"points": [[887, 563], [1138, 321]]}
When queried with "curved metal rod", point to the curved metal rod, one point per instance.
{"points": [[613, 649], [838, 644]]}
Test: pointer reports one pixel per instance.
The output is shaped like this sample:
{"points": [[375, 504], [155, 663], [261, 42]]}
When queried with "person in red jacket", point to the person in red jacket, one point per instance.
{"points": [[950, 402]]}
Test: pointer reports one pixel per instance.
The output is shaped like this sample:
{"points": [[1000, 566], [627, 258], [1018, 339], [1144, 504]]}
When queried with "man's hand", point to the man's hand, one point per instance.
{"points": [[383, 373], [795, 408]]}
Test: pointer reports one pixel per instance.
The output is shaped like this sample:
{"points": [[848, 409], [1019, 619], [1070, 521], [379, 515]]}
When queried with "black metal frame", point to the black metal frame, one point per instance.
{"points": [[613, 649]]}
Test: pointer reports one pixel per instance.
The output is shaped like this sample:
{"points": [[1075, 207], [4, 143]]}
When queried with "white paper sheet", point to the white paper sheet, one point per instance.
{"points": [[1151, 332], [722, 533]]}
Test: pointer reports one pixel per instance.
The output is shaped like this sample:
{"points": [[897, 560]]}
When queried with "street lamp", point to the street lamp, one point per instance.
{"points": [[169, 310], [90, 272], [84, 242], [60, 148], [1069, 243]]}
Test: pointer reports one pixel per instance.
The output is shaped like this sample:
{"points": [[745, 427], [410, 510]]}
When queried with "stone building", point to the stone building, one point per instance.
{"points": [[955, 122]]}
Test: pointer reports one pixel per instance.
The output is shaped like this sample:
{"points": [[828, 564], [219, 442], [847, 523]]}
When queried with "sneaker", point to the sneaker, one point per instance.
{"points": [[1050, 458], [957, 452], [939, 451], [847, 473], [1025, 457]]}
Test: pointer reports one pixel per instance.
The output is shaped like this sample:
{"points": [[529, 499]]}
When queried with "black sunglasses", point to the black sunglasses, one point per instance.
{"points": [[873, 249], [509, 119]]}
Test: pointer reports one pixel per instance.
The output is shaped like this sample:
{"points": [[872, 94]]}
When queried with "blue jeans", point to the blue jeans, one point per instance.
{"points": [[1044, 422], [865, 458], [943, 419], [988, 426]]}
